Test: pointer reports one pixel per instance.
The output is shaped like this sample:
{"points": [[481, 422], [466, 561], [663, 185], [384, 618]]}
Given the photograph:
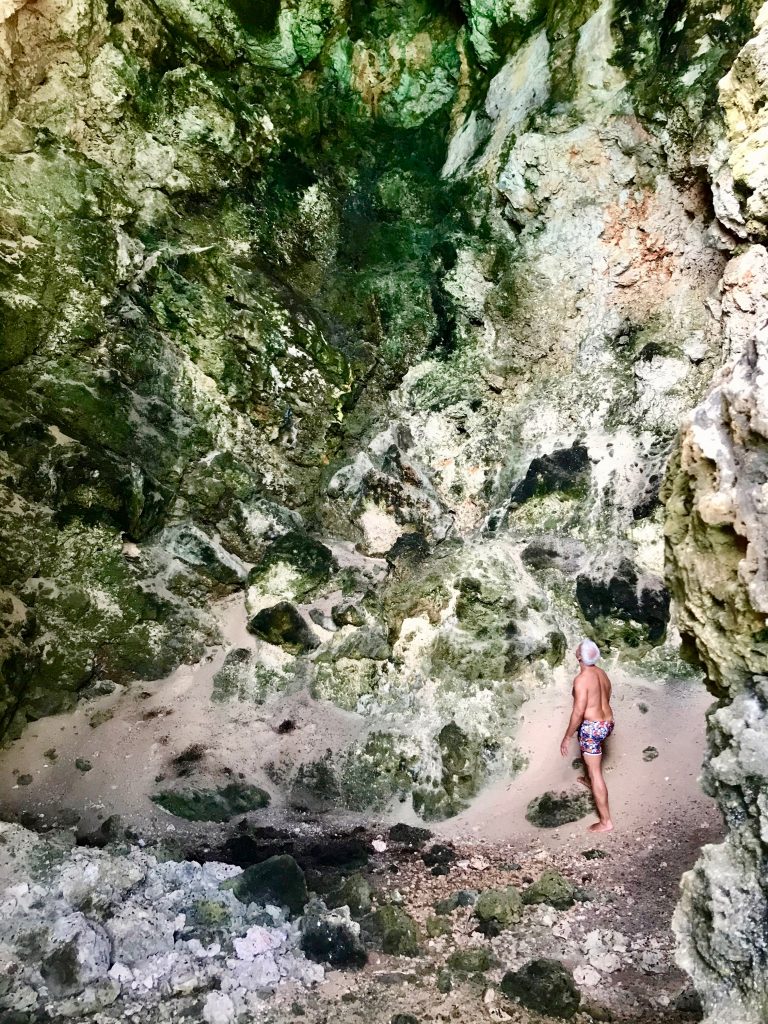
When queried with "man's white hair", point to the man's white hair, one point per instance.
{"points": [[589, 652]]}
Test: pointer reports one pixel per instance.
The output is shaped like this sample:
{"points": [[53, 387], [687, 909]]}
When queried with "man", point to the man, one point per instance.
{"points": [[593, 718]]}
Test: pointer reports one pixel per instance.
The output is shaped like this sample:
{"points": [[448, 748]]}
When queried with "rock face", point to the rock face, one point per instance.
{"points": [[380, 320], [717, 551], [353, 305]]}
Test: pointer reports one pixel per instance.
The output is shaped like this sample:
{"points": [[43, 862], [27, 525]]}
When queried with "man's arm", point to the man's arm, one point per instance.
{"points": [[577, 714]]}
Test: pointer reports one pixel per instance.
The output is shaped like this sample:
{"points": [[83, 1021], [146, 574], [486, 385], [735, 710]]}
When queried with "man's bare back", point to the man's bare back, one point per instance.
{"points": [[598, 689]]}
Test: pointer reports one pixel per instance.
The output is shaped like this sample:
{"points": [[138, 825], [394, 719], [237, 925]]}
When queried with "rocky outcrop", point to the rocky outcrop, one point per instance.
{"points": [[352, 304], [112, 930], [716, 539]]}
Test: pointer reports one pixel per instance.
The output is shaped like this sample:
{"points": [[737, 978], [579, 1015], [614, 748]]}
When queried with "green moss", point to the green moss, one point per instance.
{"points": [[213, 804]]}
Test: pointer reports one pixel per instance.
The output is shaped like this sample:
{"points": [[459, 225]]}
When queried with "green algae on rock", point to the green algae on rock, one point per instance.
{"points": [[213, 804], [551, 810]]}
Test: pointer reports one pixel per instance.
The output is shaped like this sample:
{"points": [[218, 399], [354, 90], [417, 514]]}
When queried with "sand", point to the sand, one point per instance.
{"points": [[152, 723]]}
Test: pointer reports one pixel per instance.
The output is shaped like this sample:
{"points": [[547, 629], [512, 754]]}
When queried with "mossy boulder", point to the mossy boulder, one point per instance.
{"points": [[550, 810], [354, 892], [551, 888], [278, 880], [348, 613], [283, 626], [392, 930], [498, 909], [544, 986], [213, 804]]}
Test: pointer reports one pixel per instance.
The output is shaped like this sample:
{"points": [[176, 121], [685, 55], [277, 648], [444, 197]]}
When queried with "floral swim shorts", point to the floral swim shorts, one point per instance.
{"points": [[592, 736]]}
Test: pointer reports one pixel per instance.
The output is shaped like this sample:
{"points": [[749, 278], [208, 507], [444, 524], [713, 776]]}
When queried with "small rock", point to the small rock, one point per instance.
{"points": [[404, 1018], [497, 909], [409, 835], [438, 854], [475, 960], [545, 986], [650, 754], [594, 854], [379, 845], [25, 780], [551, 888], [462, 898], [83, 764]]}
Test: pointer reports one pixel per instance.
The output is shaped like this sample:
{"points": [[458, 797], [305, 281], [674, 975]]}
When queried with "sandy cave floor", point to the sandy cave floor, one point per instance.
{"points": [[662, 819]]}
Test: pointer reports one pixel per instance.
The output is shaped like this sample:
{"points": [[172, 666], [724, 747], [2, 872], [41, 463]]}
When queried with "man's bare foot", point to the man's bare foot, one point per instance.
{"points": [[600, 827], [583, 781]]}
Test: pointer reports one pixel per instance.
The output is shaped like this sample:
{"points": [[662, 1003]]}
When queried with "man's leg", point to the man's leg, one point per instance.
{"points": [[594, 767]]}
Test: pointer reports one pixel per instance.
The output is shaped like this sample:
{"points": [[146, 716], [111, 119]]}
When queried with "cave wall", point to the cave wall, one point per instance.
{"points": [[382, 317], [716, 558]]}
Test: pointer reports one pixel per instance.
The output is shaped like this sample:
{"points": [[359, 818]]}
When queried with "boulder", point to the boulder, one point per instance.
{"points": [[550, 810], [278, 880], [329, 936], [498, 909], [355, 892], [551, 888], [409, 835], [544, 986], [440, 853], [392, 931], [283, 626]]}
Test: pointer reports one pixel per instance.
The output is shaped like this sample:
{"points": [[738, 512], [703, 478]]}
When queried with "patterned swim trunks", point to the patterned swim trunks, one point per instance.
{"points": [[592, 736]]}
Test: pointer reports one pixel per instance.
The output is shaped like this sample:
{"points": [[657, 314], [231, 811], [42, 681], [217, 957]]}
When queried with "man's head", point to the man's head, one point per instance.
{"points": [[587, 652]]}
